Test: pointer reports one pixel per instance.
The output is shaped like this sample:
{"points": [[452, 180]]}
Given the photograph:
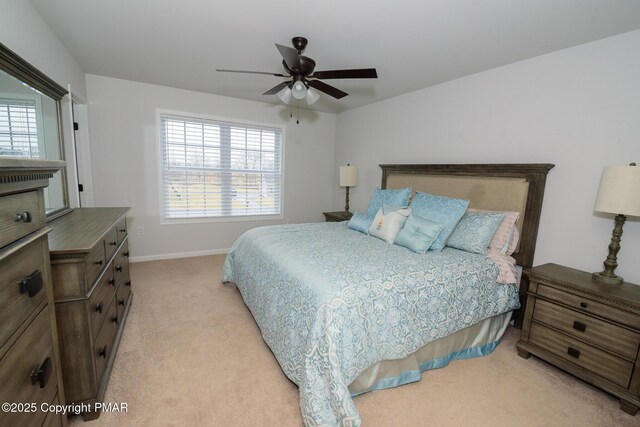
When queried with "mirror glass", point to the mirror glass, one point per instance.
{"points": [[29, 128]]}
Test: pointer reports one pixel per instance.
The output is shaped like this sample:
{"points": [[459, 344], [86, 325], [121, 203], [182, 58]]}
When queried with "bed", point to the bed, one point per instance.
{"points": [[345, 313]]}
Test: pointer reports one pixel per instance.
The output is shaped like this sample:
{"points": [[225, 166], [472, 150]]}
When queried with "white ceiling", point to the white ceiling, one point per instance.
{"points": [[412, 43]]}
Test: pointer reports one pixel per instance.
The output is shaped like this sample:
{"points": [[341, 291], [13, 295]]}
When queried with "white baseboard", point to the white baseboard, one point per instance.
{"points": [[178, 255]]}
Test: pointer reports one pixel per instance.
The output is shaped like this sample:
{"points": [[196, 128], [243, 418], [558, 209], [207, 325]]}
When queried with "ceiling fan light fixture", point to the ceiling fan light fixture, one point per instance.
{"points": [[299, 90], [312, 96], [285, 95]]}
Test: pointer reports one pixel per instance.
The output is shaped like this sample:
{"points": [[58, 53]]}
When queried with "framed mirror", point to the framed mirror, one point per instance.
{"points": [[30, 125]]}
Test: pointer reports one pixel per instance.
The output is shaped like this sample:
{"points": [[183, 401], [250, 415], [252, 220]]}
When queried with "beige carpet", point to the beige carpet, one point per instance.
{"points": [[192, 355]]}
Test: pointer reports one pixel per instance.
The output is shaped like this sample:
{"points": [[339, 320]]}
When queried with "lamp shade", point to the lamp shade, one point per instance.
{"points": [[619, 191], [299, 90], [348, 176], [312, 96], [285, 94]]}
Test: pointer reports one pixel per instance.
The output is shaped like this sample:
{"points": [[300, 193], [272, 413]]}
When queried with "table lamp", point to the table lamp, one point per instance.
{"points": [[619, 194], [348, 178]]}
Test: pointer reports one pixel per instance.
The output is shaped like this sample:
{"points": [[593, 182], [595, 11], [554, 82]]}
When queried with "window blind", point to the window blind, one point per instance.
{"points": [[18, 128], [219, 169]]}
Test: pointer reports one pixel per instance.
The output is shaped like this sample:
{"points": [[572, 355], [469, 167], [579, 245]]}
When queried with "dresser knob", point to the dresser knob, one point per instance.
{"points": [[113, 243], [579, 326], [573, 352], [584, 305], [121, 302], [122, 230], [114, 319], [99, 307], [99, 262], [24, 217], [112, 281], [118, 268], [126, 254], [103, 352], [128, 283], [40, 374], [31, 284]]}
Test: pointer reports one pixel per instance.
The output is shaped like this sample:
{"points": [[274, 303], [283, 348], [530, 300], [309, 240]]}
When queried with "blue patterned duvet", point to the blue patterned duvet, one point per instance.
{"points": [[330, 302]]}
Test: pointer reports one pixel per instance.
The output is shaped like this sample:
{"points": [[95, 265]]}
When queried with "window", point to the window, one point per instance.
{"points": [[217, 169], [18, 129]]}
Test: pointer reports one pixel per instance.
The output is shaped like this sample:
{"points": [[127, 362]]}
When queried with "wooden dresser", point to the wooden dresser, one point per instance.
{"points": [[29, 358], [92, 292], [590, 329]]}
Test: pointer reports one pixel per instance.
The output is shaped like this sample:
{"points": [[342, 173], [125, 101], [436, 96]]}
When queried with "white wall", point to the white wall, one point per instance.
{"points": [[24, 31], [578, 108], [124, 145]]}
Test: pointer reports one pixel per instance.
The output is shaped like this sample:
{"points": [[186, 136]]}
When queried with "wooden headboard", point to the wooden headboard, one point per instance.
{"points": [[504, 187]]}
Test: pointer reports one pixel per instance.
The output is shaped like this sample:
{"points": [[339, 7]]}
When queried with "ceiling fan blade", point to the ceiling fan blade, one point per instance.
{"points": [[277, 88], [290, 56], [329, 90], [361, 73], [252, 72]]}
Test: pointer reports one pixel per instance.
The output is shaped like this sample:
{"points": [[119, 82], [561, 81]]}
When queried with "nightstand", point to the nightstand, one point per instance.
{"points": [[587, 328], [337, 216]]}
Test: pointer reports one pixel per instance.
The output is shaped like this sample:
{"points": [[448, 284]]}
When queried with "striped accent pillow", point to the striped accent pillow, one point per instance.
{"points": [[503, 240]]}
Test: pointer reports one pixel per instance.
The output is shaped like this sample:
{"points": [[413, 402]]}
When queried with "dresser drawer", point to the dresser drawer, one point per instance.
{"points": [[599, 362], [20, 214], [121, 263], [22, 287], [605, 335], [94, 263], [104, 341], [52, 419], [111, 242], [27, 372], [122, 293], [586, 305], [121, 229], [100, 299]]}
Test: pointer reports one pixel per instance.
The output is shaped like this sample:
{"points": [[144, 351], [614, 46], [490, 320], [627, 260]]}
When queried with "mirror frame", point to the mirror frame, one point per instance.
{"points": [[13, 64]]}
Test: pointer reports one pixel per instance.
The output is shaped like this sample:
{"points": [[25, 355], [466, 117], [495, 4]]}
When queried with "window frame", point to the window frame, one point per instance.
{"points": [[212, 219]]}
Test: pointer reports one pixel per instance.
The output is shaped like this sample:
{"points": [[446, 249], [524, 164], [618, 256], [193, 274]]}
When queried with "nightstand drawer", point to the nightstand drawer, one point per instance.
{"points": [[599, 362], [589, 306], [605, 335]]}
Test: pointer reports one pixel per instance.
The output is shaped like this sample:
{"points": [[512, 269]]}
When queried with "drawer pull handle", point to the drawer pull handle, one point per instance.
{"points": [[121, 302], [128, 283], [99, 262], [24, 217], [118, 268], [126, 254], [103, 352], [112, 282], [573, 352], [113, 243], [40, 374], [99, 307], [31, 284], [579, 326], [584, 305], [122, 230], [114, 319]]}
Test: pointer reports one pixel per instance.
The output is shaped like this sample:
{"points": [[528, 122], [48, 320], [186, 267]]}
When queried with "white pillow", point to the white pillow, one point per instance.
{"points": [[388, 222]]}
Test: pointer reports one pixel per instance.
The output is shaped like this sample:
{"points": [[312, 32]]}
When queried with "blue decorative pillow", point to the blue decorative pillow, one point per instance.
{"points": [[360, 222], [418, 234], [387, 197], [475, 231], [388, 222], [443, 210]]}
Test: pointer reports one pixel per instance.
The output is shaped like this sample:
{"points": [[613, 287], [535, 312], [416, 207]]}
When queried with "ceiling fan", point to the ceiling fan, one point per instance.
{"points": [[304, 79]]}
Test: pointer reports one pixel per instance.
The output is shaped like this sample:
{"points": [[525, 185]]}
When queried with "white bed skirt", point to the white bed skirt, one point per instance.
{"points": [[477, 340]]}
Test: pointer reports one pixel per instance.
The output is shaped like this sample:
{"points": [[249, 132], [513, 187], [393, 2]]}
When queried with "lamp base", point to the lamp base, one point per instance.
{"points": [[611, 280]]}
